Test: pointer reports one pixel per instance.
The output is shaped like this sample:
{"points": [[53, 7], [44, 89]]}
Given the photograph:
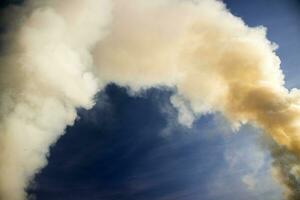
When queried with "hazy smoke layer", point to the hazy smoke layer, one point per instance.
{"points": [[215, 61]]}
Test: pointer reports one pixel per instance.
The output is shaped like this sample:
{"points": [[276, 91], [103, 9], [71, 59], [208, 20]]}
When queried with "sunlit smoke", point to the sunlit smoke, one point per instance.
{"points": [[45, 75]]}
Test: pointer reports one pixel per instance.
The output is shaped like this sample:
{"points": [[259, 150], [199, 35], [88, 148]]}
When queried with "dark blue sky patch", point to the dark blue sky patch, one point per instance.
{"points": [[127, 158]]}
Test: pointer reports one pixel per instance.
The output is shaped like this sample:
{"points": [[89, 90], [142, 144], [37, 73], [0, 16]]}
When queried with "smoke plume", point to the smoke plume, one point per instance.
{"points": [[58, 54], [216, 63], [45, 75]]}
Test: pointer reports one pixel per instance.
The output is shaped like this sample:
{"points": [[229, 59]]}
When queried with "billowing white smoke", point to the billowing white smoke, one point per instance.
{"points": [[45, 76], [215, 62], [209, 55]]}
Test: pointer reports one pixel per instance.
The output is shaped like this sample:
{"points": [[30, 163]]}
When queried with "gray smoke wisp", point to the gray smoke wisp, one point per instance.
{"points": [[59, 54]]}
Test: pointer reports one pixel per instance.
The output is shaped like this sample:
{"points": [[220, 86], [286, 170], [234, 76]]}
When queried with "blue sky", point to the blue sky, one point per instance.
{"points": [[131, 147]]}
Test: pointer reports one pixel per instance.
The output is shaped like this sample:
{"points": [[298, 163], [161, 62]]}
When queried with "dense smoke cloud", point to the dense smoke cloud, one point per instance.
{"points": [[60, 53], [45, 75]]}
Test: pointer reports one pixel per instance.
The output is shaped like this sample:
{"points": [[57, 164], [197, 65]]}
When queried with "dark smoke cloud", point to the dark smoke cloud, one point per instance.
{"points": [[286, 168]]}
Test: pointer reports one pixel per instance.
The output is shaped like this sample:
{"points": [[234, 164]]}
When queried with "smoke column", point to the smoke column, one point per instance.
{"points": [[45, 75], [58, 54]]}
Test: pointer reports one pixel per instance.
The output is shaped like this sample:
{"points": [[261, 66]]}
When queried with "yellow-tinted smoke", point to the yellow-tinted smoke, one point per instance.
{"points": [[215, 61]]}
